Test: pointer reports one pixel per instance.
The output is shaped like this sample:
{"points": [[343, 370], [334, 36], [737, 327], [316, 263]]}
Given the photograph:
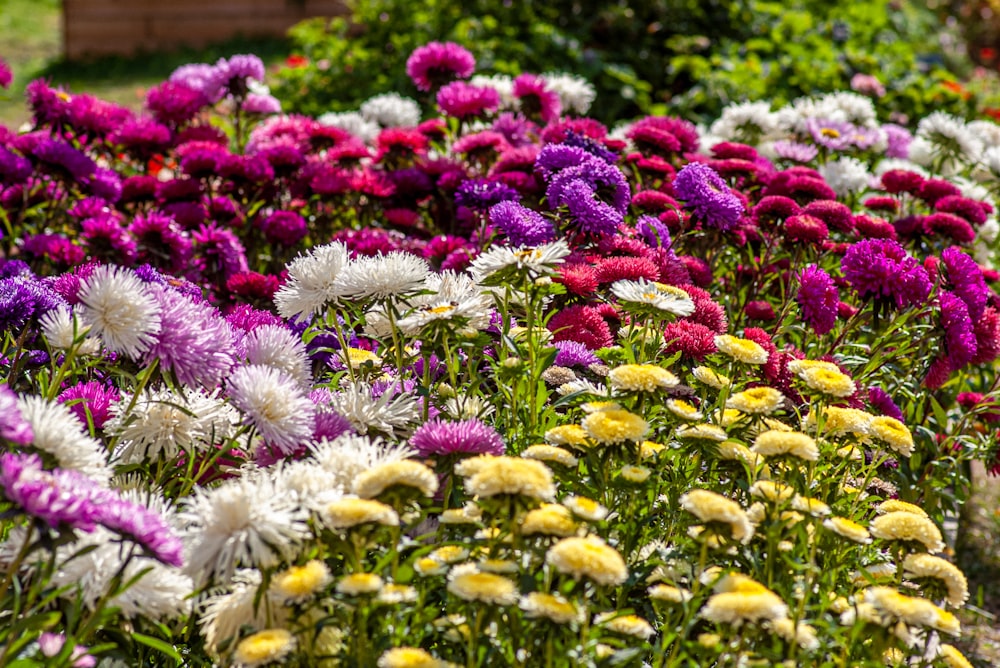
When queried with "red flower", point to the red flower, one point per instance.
{"points": [[296, 60]]}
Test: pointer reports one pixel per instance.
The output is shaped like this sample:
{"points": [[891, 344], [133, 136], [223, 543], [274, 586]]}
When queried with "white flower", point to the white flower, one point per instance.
{"points": [[310, 281], [381, 276], [277, 347], [353, 122], [58, 432], [845, 175], [161, 423], [662, 297], [226, 611], [744, 122], [987, 131], [948, 135], [576, 94], [985, 236], [451, 297], [349, 455], [387, 413], [242, 522], [391, 110], [62, 327], [275, 404], [118, 308], [537, 260], [313, 485]]}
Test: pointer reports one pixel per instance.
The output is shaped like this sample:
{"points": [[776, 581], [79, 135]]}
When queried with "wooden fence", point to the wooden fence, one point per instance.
{"points": [[104, 27]]}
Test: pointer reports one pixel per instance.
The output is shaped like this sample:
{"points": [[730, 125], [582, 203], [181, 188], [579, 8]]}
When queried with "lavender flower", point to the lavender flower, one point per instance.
{"points": [[596, 194], [818, 299], [556, 157], [795, 151], [881, 269], [959, 337], [573, 353], [832, 134], [706, 194], [523, 226], [967, 281], [13, 427], [655, 233], [591, 146], [481, 194], [59, 497], [439, 437], [436, 63], [899, 139], [22, 298]]}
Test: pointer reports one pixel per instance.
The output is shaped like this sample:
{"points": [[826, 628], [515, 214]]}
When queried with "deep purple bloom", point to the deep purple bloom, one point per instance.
{"points": [[105, 184], [63, 160], [654, 232], [194, 341], [883, 270], [218, 251], [61, 496], [481, 194], [93, 398], [440, 437], [818, 299], [200, 77], [13, 167], [175, 102], [588, 213], [22, 298], [285, 228], [556, 157], [521, 225], [573, 353], [329, 423], [161, 241], [591, 146], [537, 100], [966, 280], [959, 337], [436, 63], [13, 427], [883, 403], [708, 197], [464, 101], [139, 523]]}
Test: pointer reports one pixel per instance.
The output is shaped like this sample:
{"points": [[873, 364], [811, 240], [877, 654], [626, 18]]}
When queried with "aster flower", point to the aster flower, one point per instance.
{"points": [[392, 411], [535, 98], [707, 196], [274, 403], [966, 279], [908, 528], [311, 280], [658, 296], [57, 431], [581, 187], [436, 63], [439, 437], [588, 557], [59, 497], [488, 476], [381, 277], [264, 647], [818, 299], [522, 226], [465, 101], [583, 324], [500, 261], [90, 402], [960, 339], [882, 269], [936, 571], [710, 507]]}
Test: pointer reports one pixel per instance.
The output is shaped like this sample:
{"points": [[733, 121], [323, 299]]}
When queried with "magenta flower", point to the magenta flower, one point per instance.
{"points": [[439, 437], [91, 399], [13, 426], [966, 280], [141, 525], [59, 497], [437, 63], [284, 228], [818, 299], [881, 269], [959, 337], [464, 101], [6, 76], [537, 100]]}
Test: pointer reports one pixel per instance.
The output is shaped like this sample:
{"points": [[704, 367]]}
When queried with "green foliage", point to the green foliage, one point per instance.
{"points": [[690, 57]]}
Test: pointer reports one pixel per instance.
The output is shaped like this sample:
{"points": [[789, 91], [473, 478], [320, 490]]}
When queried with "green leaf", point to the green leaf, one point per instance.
{"points": [[159, 645]]}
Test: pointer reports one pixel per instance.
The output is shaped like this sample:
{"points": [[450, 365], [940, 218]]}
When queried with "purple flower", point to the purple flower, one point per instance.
{"points": [[232, 75], [285, 228], [959, 336], [591, 146], [105, 184], [13, 167], [795, 151], [881, 269], [439, 437], [106, 239], [6, 76], [464, 101], [899, 139], [61, 496], [654, 232], [573, 353], [708, 197], [481, 194], [218, 251], [202, 78], [588, 213], [831, 134], [51, 644], [557, 157], [818, 299], [436, 63], [142, 525], [13, 427], [62, 159], [537, 100], [194, 341], [966, 280], [523, 226], [22, 298], [257, 103], [883, 403], [142, 136], [175, 102], [90, 402], [329, 423], [161, 241]]}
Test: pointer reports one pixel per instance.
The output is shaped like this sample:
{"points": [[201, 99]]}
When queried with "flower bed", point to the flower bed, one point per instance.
{"points": [[494, 386]]}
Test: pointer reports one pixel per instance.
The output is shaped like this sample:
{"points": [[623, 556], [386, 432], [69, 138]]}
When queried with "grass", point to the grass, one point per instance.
{"points": [[30, 32]]}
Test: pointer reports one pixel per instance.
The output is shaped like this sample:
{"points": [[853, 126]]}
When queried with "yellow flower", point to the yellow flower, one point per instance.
{"points": [[585, 508], [596, 406], [807, 504], [648, 449], [895, 505], [704, 432], [683, 409], [427, 566], [497, 566], [710, 377], [550, 520], [635, 474], [848, 529], [908, 527], [671, 594], [629, 625], [774, 443], [735, 451], [832, 382], [919, 566], [892, 606], [508, 475], [469, 583], [641, 378], [552, 607], [615, 426], [357, 357], [738, 607], [772, 491], [742, 350], [350, 511], [837, 421], [589, 557], [550, 453], [711, 507], [264, 647], [449, 554], [801, 366], [893, 433], [299, 583], [467, 514], [406, 473], [409, 657], [803, 634], [567, 434], [952, 657], [756, 401], [356, 584]]}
